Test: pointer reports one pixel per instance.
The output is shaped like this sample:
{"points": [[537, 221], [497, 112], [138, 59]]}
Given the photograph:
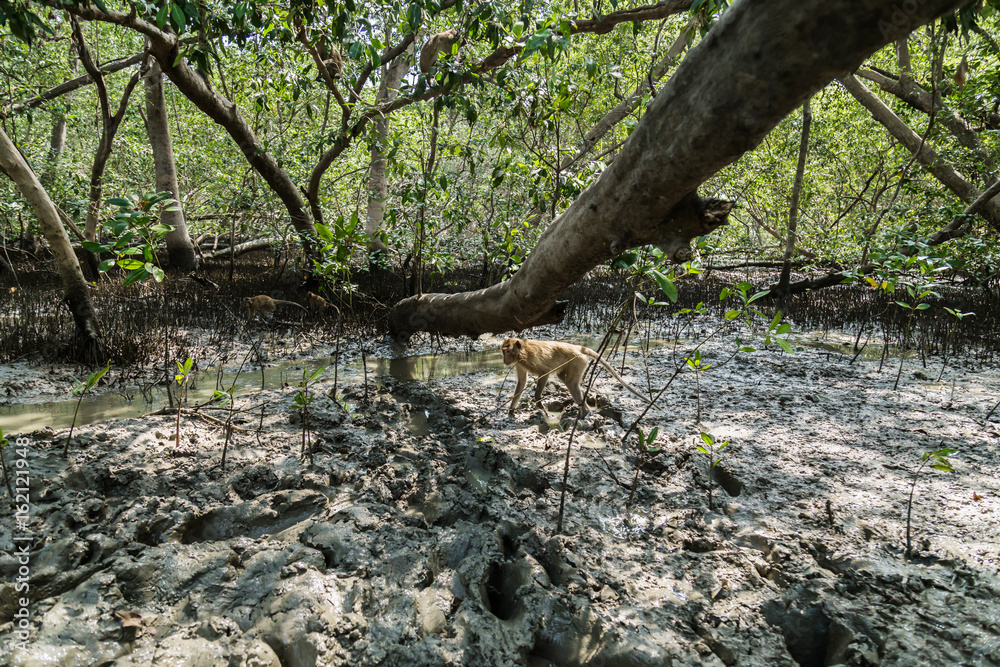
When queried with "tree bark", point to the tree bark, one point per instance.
{"points": [[377, 188], [762, 59], [240, 248], [164, 46], [109, 127], [57, 141], [793, 208], [180, 250], [77, 295], [941, 170]]}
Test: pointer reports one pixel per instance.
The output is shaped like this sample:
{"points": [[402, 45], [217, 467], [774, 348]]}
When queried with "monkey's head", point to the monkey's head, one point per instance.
{"points": [[247, 301], [511, 349]]}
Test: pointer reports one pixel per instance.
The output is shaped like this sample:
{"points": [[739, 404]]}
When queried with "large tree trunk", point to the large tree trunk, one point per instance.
{"points": [[763, 59], [377, 188], [180, 250], [77, 295], [941, 170]]}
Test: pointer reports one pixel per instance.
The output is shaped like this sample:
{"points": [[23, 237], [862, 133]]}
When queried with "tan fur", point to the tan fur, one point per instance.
{"points": [[435, 44], [263, 305], [318, 305], [962, 73], [543, 358]]}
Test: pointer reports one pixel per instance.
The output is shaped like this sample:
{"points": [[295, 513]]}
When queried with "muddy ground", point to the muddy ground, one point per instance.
{"points": [[424, 530]]}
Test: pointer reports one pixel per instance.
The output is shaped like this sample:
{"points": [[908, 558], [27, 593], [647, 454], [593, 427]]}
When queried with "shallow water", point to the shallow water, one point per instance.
{"points": [[132, 402]]}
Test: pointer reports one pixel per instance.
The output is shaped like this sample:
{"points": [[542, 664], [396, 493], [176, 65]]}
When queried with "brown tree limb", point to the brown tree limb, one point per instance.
{"points": [[239, 249], [941, 170], [760, 61], [499, 56], [165, 47]]}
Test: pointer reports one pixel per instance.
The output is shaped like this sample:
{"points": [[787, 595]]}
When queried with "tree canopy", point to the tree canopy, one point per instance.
{"points": [[273, 111]]}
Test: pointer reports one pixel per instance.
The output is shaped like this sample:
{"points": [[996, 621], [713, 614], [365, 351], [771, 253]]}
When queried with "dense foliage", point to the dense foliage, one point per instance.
{"points": [[483, 151]]}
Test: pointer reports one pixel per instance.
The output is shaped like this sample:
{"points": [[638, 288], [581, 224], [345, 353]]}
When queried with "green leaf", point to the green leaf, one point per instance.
{"points": [[707, 437], [177, 14], [732, 314], [413, 17], [666, 285], [94, 378], [704, 451], [904, 305], [624, 260], [118, 201], [324, 232], [106, 265], [135, 276], [784, 344], [316, 373], [161, 16], [923, 306]]}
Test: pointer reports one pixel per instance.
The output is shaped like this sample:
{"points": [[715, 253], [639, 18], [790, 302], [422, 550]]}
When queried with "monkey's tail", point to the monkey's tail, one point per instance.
{"points": [[292, 303], [593, 355]]}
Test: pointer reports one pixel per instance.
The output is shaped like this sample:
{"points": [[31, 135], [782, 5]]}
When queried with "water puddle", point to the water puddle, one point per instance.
{"points": [[134, 402]]}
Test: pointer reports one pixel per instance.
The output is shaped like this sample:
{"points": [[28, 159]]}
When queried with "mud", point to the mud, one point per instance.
{"points": [[424, 531]]}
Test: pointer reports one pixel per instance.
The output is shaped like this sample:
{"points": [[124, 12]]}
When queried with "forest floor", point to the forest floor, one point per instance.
{"points": [[424, 530]]}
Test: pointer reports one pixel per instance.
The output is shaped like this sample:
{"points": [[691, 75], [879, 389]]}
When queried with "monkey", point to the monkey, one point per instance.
{"points": [[435, 44], [318, 305], [263, 305], [962, 73], [331, 58], [542, 358]]}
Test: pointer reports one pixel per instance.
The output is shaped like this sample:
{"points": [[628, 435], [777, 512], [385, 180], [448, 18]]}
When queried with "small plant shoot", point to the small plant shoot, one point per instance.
{"points": [[711, 449], [79, 390], [939, 460], [182, 377]]}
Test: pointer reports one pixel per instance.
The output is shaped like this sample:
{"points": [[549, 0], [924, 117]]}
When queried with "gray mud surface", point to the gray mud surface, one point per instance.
{"points": [[424, 532]]}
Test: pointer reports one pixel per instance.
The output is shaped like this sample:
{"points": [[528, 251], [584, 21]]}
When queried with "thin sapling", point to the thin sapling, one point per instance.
{"points": [[711, 449], [79, 390], [303, 399], [936, 459], [182, 377]]}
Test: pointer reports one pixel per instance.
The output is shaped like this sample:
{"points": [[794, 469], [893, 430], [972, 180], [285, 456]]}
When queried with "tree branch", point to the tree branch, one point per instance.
{"points": [[760, 61]]}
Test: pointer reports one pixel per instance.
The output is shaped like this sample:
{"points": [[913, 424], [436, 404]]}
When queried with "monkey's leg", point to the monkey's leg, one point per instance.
{"points": [[539, 387], [522, 379], [572, 377]]}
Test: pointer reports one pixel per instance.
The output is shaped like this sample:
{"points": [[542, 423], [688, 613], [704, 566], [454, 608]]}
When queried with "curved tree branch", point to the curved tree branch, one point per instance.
{"points": [[164, 46], [499, 56], [763, 59]]}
